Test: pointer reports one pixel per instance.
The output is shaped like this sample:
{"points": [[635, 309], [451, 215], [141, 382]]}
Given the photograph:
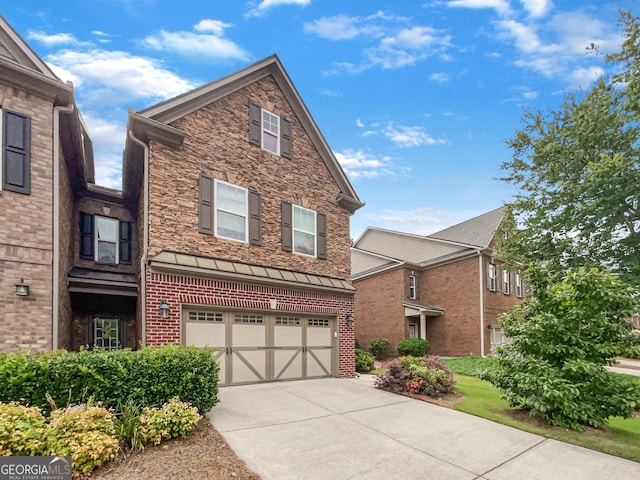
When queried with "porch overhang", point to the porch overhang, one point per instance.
{"points": [[84, 280], [416, 310]]}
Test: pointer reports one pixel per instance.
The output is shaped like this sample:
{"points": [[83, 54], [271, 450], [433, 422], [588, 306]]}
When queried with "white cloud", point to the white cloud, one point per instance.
{"points": [[211, 45], [407, 137], [537, 8], [583, 77], [340, 27], [418, 221], [440, 77], [55, 40], [265, 5], [359, 123], [501, 6], [114, 77], [358, 164]]}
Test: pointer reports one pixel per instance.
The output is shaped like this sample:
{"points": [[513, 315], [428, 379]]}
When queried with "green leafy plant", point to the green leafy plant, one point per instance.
{"points": [[364, 361], [417, 347], [150, 376], [21, 430], [173, 419], [418, 375], [378, 347], [127, 425], [86, 434], [563, 336]]}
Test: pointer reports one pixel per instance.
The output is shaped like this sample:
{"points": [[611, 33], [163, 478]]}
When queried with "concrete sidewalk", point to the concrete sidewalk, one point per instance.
{"points": [[627, 366], [344, 429]]}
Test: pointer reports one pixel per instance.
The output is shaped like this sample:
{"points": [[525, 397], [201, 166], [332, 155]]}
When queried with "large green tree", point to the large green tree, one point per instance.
{"points": [[577, 170]]}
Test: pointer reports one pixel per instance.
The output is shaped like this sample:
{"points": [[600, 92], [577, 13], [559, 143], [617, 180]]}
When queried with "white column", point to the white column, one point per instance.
{"points": [[423, 326]]}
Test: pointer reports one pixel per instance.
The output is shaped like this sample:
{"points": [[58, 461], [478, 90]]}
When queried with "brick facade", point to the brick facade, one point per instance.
{"points": [[26, 249]]}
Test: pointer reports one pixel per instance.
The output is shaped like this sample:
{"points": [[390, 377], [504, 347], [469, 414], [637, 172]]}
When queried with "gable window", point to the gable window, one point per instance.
{"points": [[231, 211], [106, 333], [15, 147], [304, 231], [518, 285], [506, 282], [491, 276], [269, 131], [412, 286], [104, 239]]}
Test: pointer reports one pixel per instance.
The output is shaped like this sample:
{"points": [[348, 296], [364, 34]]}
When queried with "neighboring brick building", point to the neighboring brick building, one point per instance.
{"points": [[232, 228], [445, 287]]}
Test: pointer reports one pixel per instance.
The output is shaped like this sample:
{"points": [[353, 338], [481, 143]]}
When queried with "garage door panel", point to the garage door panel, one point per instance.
{"points": [[248, 336], [248, 366], [200, 334], [287, 364], [319, 362]]}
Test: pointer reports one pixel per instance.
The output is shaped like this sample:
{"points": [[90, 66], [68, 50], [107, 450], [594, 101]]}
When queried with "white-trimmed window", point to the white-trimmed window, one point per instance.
{"points": [[106, 240], [412, 286], [270, 132], [518, 285], [230, 211], [506, 282], [491, 276], [304, 231], [106, 333]]}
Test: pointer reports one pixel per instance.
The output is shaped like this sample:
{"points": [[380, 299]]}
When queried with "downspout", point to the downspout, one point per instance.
{"points": [[145, 238], [55, 318], [481, 303]]}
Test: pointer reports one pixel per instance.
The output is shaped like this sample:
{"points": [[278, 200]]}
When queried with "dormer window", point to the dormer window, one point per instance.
{"points": [[270, 132]]}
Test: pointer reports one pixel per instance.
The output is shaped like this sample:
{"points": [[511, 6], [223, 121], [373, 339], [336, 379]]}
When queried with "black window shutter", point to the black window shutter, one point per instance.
{"points": [[86, 236], [255, 218], [16, 153], [321, 221], [287, 227], [285, 138], [255, 124], [205, 205], [125, 242]]}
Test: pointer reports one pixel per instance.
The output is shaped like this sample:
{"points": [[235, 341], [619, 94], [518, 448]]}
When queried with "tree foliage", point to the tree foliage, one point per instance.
{"points": [[563, 336], [577, 170]]}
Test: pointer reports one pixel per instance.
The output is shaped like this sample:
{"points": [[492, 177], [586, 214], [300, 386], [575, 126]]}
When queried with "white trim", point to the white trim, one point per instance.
{"points": [[294, 229], [97, 240], [412, 286], [481, 274], [216, 207], [492, 281], [506, 282], [518, 286], [264, 130]]}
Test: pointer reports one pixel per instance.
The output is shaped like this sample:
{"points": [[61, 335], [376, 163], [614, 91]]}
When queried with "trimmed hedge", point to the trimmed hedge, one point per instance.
{"points": [[415, 347], [150, 376]]}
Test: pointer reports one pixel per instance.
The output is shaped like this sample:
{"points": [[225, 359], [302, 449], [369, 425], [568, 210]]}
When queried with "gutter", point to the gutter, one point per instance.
{"points": [[481, 303], [145, 240], [55, 318]]}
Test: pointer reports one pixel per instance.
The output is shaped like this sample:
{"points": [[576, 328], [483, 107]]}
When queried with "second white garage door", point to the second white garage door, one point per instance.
{"points": [[256, 347]]}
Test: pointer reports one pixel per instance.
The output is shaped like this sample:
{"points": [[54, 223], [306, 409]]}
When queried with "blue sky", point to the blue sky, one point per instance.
{"points": [[416, 99]]}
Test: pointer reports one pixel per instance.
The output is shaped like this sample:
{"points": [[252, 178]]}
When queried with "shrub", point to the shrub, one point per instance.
{"points": [[356, 342], [418, 375], [417, 347], [86, 434], [563, 336], [364, 361], [173, 419], [150, 376], [127, 425], [378, 347], [21, 430]]}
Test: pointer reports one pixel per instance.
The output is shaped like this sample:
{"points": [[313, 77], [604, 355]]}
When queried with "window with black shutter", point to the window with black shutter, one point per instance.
{"points": [[269, 131], [125, 242], [16, 152]]}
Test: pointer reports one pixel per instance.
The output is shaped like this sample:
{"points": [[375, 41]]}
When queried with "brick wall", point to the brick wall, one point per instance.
{"points": [[217, 144], [178, 290], [65, 219], [379, 310], [26, 235]]}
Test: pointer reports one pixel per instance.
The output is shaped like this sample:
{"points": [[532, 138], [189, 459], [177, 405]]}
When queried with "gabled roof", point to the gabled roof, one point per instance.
{"points": [[363, 262], [170, 110], [477, 231]]}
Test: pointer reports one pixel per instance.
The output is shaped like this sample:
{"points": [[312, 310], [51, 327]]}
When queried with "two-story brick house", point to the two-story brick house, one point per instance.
{"points": [[231, 230], [446, 287]]}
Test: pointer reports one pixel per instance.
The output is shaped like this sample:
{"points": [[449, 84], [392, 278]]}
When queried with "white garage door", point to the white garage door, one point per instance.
{"points": [[256, 347]]}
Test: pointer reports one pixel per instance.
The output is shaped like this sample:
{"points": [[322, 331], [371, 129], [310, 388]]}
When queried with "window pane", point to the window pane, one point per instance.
{"points": [[304, 243], [231, 226], [270, 122], [270, 142], [231, 199], [106, 252], [107, 228], [304, 220]]}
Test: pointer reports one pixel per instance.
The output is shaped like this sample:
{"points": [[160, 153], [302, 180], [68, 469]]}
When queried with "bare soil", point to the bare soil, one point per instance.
{"points": [[202, 455]]}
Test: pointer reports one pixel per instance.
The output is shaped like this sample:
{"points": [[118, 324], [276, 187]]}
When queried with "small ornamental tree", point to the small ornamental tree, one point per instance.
{"points": [[563, 336]]}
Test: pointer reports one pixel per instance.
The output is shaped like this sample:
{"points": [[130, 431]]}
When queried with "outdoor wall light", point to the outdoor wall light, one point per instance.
{"points": [[164, 309], [22, 289], [349, 320]]}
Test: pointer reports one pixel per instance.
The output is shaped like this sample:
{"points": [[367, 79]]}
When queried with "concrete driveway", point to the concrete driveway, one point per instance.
{"points": [[345, 429]]}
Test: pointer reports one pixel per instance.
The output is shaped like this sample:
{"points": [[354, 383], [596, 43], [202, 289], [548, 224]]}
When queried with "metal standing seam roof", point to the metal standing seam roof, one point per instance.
{"points": [[211, 267]]}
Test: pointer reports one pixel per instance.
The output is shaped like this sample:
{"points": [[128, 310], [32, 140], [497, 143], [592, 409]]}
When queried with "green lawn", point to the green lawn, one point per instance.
{"points": [[620, 438]]}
